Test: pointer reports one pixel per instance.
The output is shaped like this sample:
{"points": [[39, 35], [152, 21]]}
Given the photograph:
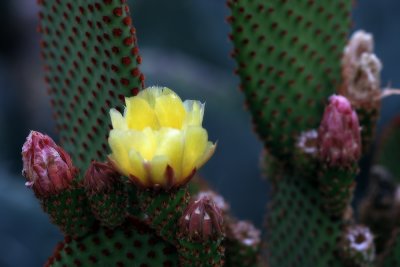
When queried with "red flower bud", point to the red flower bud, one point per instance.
{"points": [[339, 138], [201, 220], [100, 177], [46, 166]]}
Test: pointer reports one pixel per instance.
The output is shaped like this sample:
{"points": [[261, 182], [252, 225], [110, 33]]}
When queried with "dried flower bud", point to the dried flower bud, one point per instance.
{"points": [[201, 220], [358, 245], [361, 71], [46, 166], [246, 233], [360, 42], [339, 138], [100, 176]]}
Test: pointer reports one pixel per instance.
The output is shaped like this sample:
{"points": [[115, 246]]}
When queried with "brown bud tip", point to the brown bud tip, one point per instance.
{"points": [[100, 177], [339, 138], [46, 166], [202, 220], [245, 233], [358, 245], [218, 200]]}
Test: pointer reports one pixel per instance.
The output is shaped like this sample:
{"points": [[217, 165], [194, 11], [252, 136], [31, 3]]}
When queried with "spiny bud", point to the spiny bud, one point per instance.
{"points": [[358, 245], [202, 220], [100, 177], [339, 138], [46, 166]]}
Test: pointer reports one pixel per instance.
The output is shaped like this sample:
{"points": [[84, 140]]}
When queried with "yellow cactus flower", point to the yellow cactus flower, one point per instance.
{"points": [[159, 141]]}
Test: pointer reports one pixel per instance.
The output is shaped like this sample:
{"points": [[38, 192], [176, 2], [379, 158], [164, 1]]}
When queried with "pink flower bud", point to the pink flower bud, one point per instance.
{"points": [[339, 138], [100, 177], [201, 220], [46, 166]]}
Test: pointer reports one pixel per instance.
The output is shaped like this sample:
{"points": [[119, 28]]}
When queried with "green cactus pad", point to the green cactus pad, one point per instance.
{"points": [[389, 149], [163, 209], [110, 207], [288, 55], [70, 211], [336, 186], [133, 202], [201, 254], [299, 232], [132, 244], [91, 62]]}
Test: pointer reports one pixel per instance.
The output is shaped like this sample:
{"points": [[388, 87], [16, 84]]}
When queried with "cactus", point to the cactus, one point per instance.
{"points": [[121, 191]]}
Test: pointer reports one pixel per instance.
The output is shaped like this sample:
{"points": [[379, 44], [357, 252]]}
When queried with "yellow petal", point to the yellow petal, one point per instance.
{"points": [[209, 151], [139, 114], [136, 166], [117, 120], [144, 142], [150, 94], [195, 112], [158, 165], [119, 152], [170, 111], [195, 145], [171, 146]]}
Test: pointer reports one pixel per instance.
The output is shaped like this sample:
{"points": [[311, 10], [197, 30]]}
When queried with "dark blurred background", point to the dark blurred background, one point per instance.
{"points": [[184, 46]]}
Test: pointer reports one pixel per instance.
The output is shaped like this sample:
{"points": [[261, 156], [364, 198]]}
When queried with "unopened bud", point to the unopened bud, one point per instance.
{"points": [[339, 138], [202, 220], [46, 166], [100, 177]]}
